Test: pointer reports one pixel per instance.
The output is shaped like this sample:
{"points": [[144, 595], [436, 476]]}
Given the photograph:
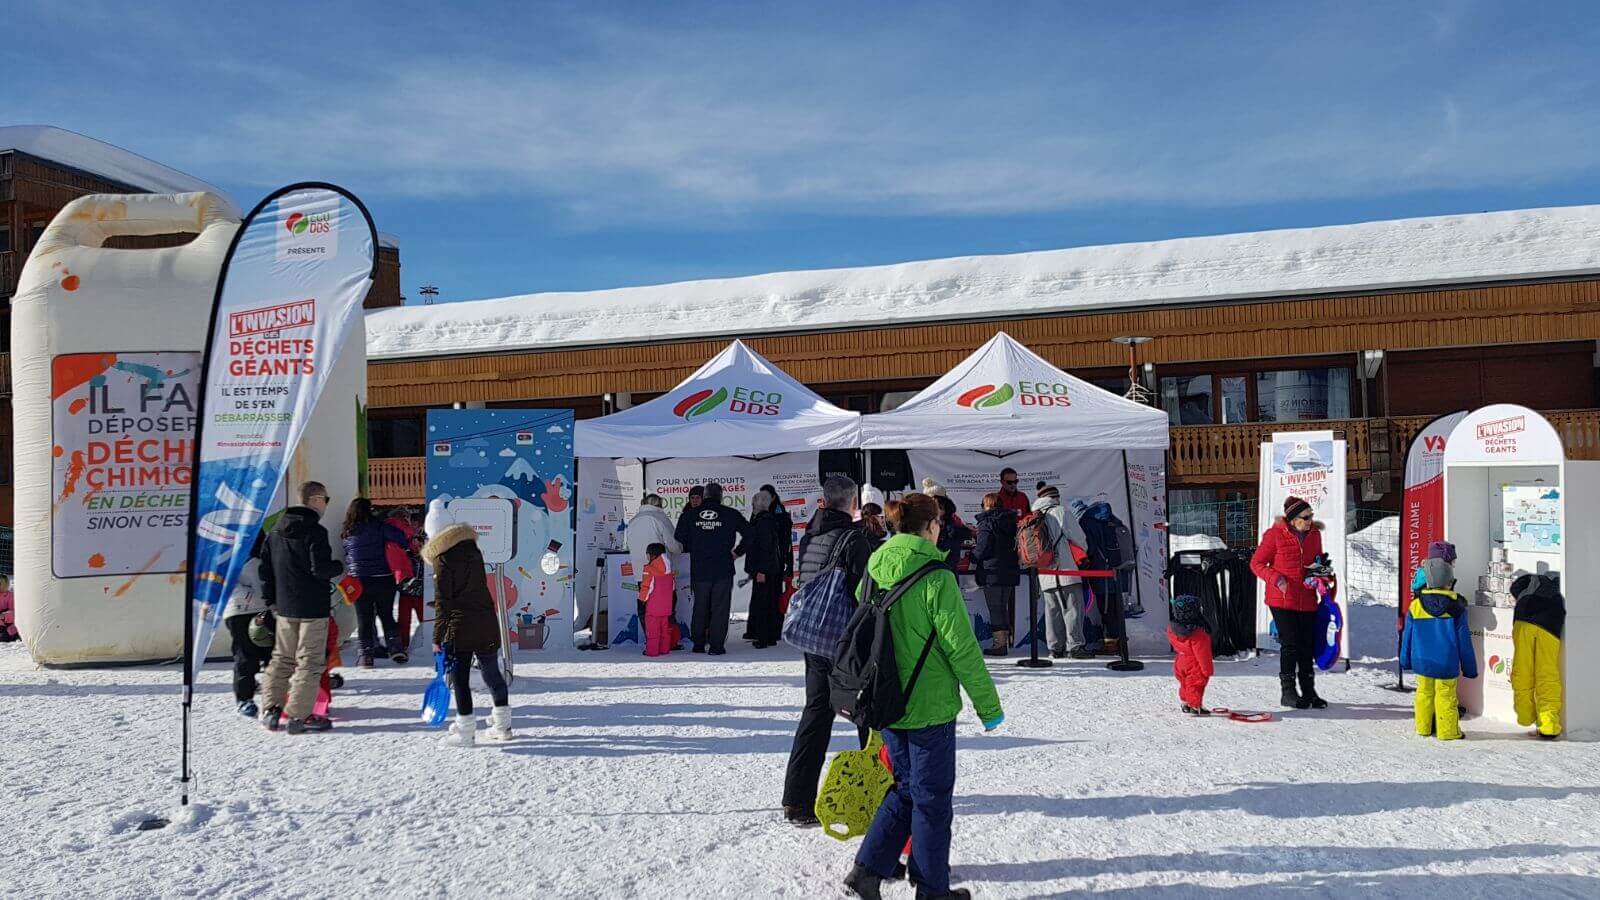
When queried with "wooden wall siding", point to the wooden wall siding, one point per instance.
{"points": [[1546, 311], [38, 183]]}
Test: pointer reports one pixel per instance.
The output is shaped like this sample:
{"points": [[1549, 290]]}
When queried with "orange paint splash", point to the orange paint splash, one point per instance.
{"points": [[97, 561], [70, 283], [127, 585], [74, 472], [56, 451], [77, 406]]}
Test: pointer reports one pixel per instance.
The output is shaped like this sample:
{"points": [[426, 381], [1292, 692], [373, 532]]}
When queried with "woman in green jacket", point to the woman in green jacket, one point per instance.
{"points": [[922, 745]]}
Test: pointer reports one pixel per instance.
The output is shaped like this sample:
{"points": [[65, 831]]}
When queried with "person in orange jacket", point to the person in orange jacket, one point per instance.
{"points": [[655, 592]]}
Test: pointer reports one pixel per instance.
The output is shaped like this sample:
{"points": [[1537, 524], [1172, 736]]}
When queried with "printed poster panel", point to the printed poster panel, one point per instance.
{"points": [[1147, 486], [794, 475], [291, 287], [967, 475], [609, 491], [1311, 466], [123, 444], [522, 457]]}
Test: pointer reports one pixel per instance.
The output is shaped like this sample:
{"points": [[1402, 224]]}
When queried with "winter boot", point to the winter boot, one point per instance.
{"points": [[310, 723], [270, 717], [864, 883], [1308, 692], [800, 818], [499, 724], [463, 732], [1001, 645], [365, 662], [1291, 698], [248, 709]]}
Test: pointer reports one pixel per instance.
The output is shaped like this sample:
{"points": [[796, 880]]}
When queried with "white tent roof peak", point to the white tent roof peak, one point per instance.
{"points": [[1005, 396], [737, 404]]}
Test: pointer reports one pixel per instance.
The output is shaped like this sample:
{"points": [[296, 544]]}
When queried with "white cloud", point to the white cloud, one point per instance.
{"points": [[508, 452]]}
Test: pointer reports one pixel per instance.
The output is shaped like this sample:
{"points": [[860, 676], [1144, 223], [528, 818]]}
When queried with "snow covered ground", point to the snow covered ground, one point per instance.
{"points": [[649, 778]]}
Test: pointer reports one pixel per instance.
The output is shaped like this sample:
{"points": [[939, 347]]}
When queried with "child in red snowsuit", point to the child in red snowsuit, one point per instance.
{"points": [[655, 592], [1190, 634]]}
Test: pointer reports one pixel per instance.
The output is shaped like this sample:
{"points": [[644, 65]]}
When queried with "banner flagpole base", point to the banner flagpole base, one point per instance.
{"points": [[1125, 665], [1035, 663]]}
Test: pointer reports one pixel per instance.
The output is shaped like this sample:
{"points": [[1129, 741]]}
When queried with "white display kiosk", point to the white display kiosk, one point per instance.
{"points": [[1509, 485]]}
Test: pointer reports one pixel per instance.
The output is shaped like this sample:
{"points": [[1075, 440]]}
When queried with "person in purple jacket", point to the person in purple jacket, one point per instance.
{"points": [[366, 539]]}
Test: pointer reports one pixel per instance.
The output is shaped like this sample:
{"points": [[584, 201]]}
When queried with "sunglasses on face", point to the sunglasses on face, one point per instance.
{"points": [[1305, 518], [1010, 483]]}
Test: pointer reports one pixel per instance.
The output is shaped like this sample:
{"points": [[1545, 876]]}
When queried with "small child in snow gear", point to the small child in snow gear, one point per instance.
{"points": [[1190, 634], [1536, 627], [655, 592], [1437, 645], [467, 626], [250, 653], [8, 612]]}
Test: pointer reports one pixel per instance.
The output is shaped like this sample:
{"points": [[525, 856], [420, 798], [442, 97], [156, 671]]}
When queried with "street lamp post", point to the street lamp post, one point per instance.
{"points": [[1136, 391]]}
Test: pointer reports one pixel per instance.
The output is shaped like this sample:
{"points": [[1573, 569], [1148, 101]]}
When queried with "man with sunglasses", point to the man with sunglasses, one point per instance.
{"points": [[1010, 497]]}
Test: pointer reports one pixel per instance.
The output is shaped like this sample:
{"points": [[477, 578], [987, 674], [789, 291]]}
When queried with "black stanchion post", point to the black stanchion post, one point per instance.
{"points": [[1399, 686], [1033, 661], [1122, 663]]}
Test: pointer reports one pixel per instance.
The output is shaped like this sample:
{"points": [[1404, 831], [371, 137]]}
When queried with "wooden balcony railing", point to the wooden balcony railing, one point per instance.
{"points": [[1233, 452], [1199, 454], [397, 481], [1221, 453]]}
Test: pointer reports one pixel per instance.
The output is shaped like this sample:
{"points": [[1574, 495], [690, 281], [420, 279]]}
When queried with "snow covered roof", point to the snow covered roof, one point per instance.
{"points": [[385, 239], [1530, 243], [106, 160]]}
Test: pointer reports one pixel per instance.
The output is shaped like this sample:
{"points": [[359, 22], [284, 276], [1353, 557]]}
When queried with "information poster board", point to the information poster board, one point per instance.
{"points": [[122, 427], [1309, 465]]}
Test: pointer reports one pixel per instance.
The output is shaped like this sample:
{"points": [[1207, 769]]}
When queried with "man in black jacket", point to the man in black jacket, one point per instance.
{"points": [[833, 539], [708, 535], [296, 566]]}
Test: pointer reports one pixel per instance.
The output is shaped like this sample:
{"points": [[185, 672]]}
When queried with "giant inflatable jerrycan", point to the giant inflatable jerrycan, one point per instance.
{"points": [[106, 346]]}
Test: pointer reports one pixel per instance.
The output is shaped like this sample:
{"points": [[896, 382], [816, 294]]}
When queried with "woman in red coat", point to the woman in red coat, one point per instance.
{"points": [[1291, 544]]}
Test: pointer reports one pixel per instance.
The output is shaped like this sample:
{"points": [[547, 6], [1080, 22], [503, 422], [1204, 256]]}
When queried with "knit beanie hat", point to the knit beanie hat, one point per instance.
{"points": [[1078, 506], [1294, 507], [1186, 610], [438, 518], [1050, 490], [1442, 550]]}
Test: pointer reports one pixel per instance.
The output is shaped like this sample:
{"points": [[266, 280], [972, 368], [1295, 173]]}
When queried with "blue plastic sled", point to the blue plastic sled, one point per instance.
{"points": [[436, 699], [1330, 633]]}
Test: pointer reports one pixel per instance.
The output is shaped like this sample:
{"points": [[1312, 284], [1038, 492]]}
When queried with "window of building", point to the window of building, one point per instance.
{"points": [[1187, 399], [5, 238], [1235, 399], [1300, 395], [895, 399], [391, 438]]}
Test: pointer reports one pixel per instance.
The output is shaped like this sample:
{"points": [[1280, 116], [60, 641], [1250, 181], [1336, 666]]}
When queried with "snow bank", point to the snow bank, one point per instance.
{"points": [[1373, 559], [1407, 253], [106, 160]]}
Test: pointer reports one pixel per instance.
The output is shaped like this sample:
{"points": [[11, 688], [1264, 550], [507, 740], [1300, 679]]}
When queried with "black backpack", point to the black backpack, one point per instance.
{"points": [[865, 684]]}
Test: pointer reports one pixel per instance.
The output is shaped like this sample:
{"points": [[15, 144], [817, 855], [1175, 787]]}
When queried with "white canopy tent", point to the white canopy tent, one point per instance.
{"points": [[737, 404], [739, 421], [1006, 396], [1006, 406]]}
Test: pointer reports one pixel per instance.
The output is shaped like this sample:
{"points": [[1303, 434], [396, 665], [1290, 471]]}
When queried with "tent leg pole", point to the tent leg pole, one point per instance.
{"points": [[1033, 661]]}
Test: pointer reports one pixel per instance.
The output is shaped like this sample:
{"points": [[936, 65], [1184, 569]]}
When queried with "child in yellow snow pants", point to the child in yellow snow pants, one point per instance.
{"points": [[1536, 660]]}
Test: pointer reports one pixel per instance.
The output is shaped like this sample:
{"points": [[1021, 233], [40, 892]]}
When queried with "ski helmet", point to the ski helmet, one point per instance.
{"points": [[261, 628]]}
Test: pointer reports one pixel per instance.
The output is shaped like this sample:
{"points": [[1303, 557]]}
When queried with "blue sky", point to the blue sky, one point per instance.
{"points": [[522, 147]]}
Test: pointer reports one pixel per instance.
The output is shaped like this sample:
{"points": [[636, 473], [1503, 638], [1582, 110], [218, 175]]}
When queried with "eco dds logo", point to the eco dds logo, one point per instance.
{"points": [[1499, 665], [741, 401], [308, 235], [1027, 393]]}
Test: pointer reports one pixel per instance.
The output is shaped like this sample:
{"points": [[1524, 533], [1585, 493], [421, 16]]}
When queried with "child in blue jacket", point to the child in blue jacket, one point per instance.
{"points": [[1437, 645]]}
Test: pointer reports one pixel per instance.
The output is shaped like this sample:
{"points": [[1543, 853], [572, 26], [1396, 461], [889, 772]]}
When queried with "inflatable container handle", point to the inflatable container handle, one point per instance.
{"points": [[90, 221]]}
